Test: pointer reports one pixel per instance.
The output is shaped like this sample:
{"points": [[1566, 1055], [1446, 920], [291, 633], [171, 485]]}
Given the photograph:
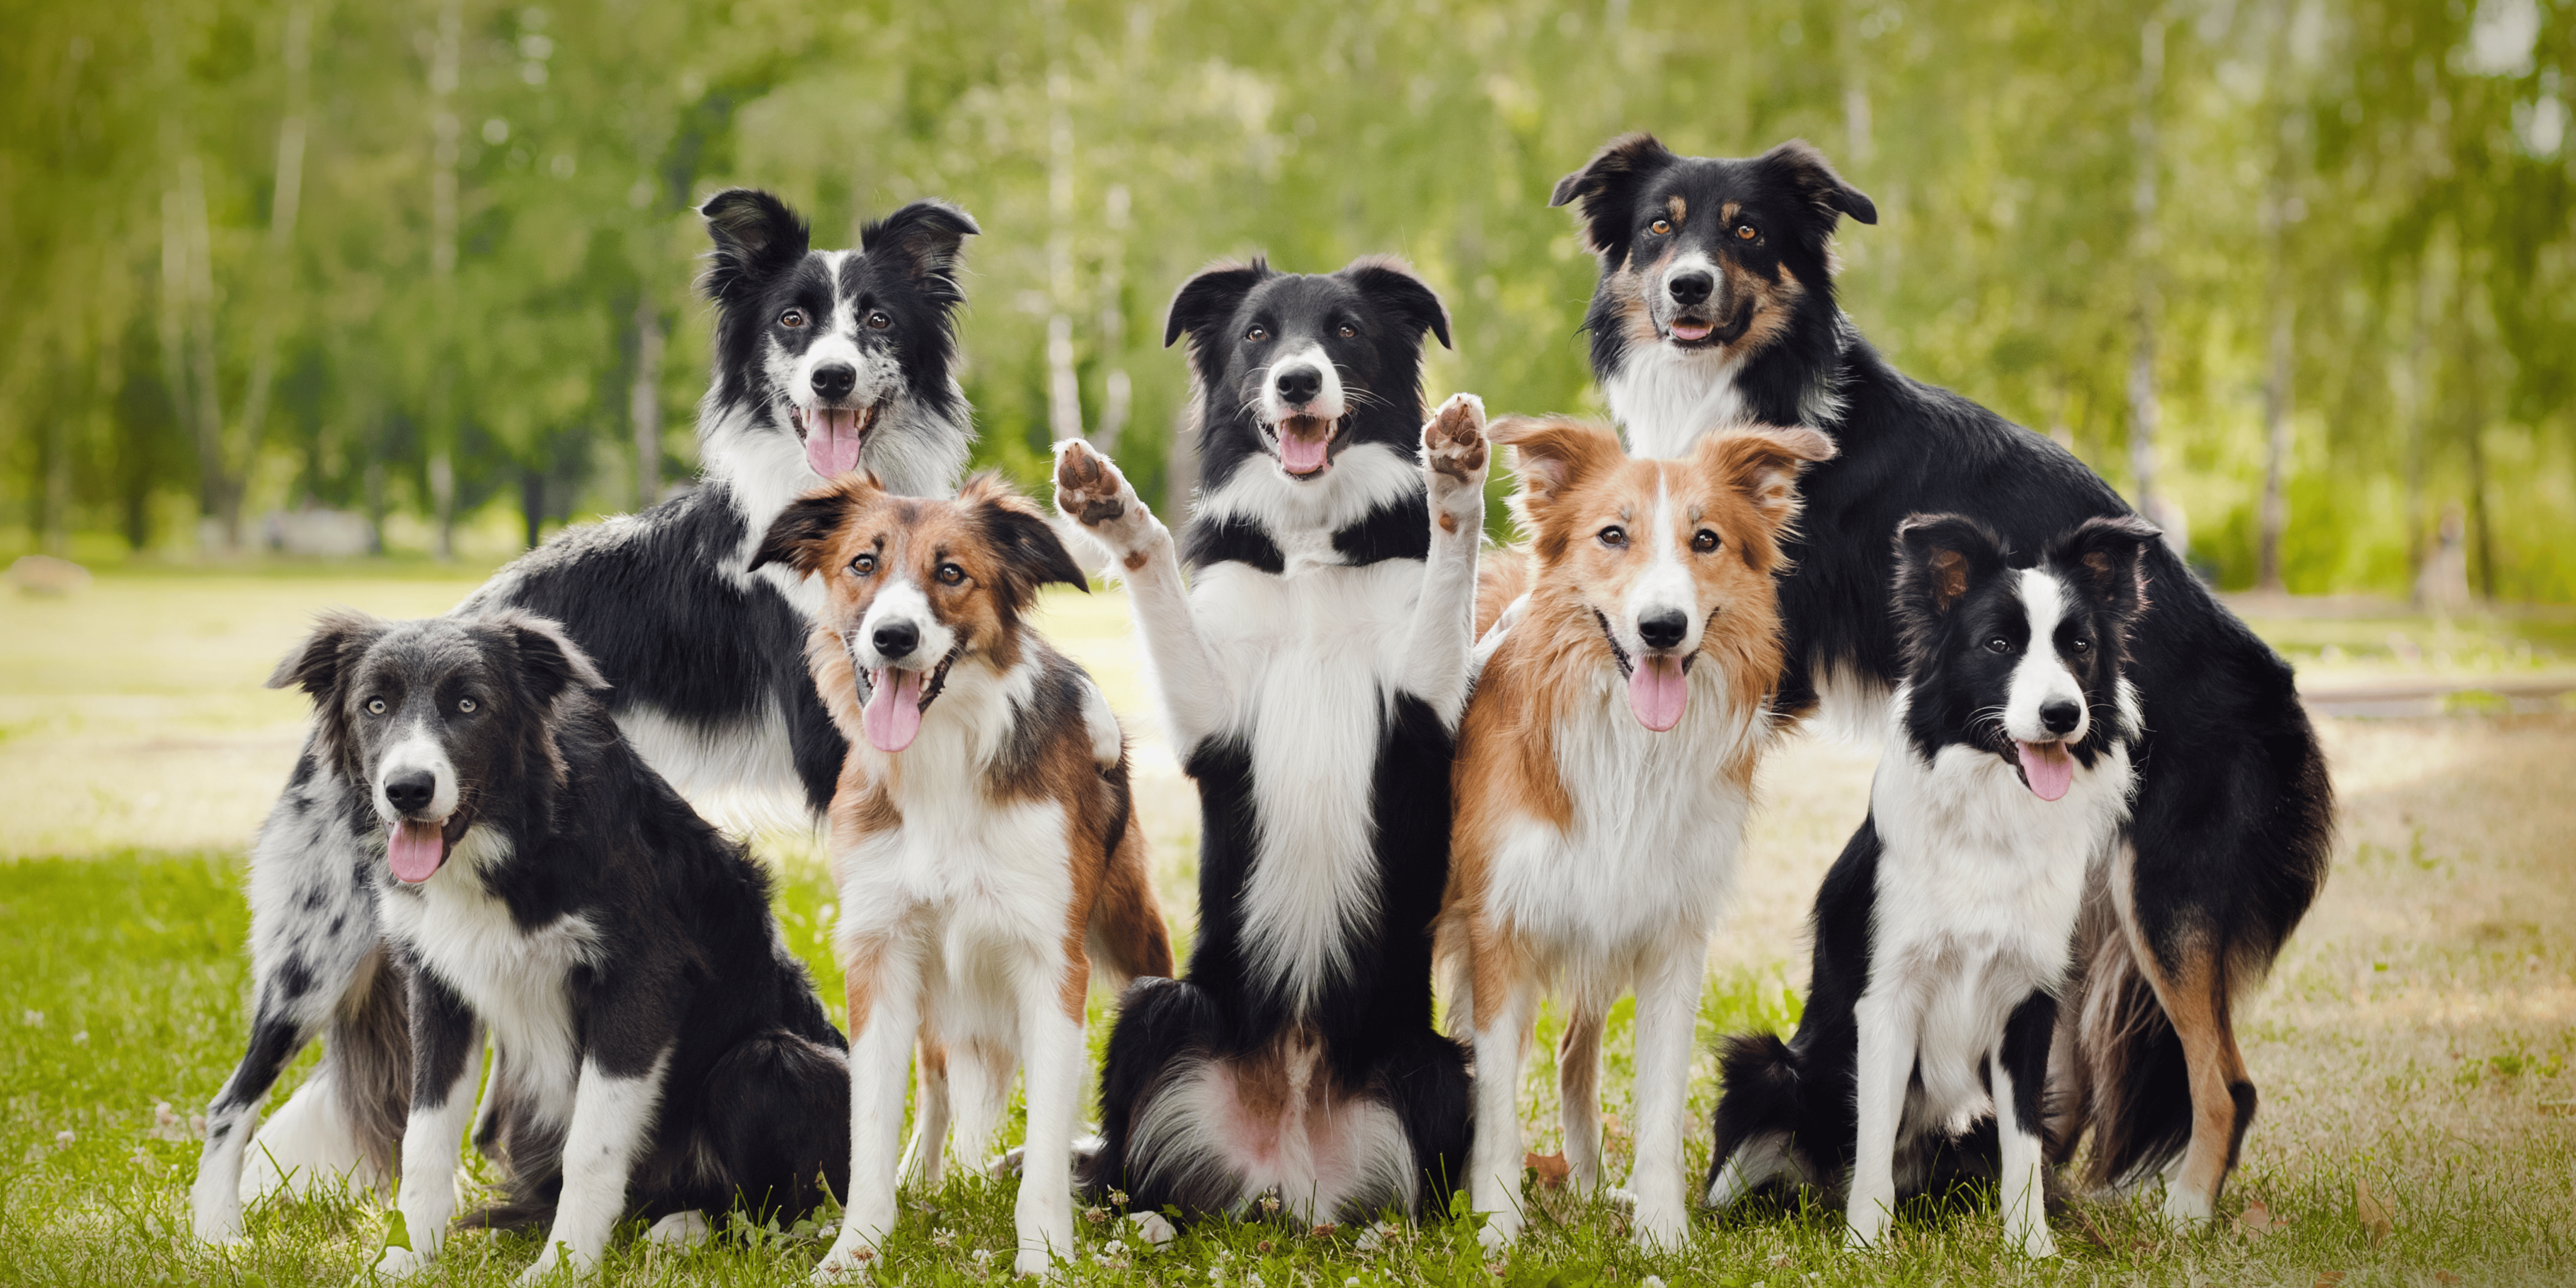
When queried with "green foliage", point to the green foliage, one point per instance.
{"points": [[2391, 177]]}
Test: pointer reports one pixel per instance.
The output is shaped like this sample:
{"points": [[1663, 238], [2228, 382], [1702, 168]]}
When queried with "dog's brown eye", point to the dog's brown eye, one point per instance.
{"points": [[863, 565], [1661, 226], [951, 575], [375, 706], [879, 321], [1257, 334], [1999, 645], [1346, 330], [1615, 537], [2082, 644], [792, 319], [1746, 232], [465, 705], [1703, 541]]}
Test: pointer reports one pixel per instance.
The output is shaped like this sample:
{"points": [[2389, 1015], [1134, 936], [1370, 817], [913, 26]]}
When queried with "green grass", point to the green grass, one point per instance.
{"points": [[2418, 1036]]}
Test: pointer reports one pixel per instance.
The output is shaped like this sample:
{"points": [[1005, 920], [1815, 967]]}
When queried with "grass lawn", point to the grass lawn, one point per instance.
{"points": [[2415, 1040]]}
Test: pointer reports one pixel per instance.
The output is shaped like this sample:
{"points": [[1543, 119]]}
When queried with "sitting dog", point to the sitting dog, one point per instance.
{"points": [[1605, 772], [982, 837], [667, 1055], [1312, 673], [1945, 932]]}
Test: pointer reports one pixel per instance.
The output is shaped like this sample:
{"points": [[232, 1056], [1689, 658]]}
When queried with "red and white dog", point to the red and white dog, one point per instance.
{"points": [[982, 839], [1604, 775]]}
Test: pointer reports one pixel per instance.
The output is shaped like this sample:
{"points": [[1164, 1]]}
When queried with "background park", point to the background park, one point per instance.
{"points": [[317, 303]]}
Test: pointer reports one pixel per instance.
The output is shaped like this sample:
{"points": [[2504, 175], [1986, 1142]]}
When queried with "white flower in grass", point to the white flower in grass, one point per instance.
{"points": [[1152, 1227]]}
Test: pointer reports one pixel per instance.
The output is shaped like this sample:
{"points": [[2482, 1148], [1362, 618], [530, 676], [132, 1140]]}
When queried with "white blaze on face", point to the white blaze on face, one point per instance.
{"points": [[1657, 689], [416, 749], [2040, 681], [834, 428], [1306, 427], [901, 614], [1666, 304]]}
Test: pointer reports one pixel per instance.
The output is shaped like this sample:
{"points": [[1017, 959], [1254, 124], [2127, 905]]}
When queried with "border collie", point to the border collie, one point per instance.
{"points": [[1945, 931], [983, 839], [1311, 672], [1605, 772], [823, 360], [1716, 307], [667, 1054]]}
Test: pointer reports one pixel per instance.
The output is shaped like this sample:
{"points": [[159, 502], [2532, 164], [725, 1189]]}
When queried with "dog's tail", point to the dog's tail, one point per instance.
{"points": [[1128, 938], [1501, 577], [2119, 1067], [1757, 1119], [369, 1046]]}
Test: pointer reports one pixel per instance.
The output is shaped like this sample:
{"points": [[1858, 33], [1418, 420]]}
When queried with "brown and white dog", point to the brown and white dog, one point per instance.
{"points": [[1604, 775], [981, 837]]}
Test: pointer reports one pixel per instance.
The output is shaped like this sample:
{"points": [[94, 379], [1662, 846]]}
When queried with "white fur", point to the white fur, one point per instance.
{"points": [[1301, 516], [309, 1147], [417, 749], [2042, 677], [747, 776], [902, 604], [962, 910], [1322, 1156], [1666, 395], [1329, 402], [612, 1117]]}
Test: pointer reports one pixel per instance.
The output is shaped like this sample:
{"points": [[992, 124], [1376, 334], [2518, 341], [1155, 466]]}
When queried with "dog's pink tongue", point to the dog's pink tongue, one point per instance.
{"points": [[893, 715], [2048, 767], [415, 850], [832, 441], [1300, 454], [1692, 330], [1657, 692]]}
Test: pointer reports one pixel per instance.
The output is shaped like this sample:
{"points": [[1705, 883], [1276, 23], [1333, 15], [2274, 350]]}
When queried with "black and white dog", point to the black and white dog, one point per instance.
{"points": [[824, 359], [1716, 307], [1945, 930], [667, 1054], [1312, 672]]}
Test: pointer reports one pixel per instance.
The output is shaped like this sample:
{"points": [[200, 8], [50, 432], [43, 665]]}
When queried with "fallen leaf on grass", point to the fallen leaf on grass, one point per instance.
{"points": [[2445, 1277], [2328, 1278], [2374, 1213], [1552, 1169], [2558, 1108], [2257, 1220]]}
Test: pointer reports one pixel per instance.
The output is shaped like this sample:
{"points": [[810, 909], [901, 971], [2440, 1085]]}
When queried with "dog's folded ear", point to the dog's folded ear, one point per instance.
{"points": [[1606, 187], [2106, 556], [1803, 168], [755, 234], [1764, 464], [549, 662], [1551, 454], [1032, 554], [802, 532], [1390, 283], [1939, 559], [1206, 301], [340, 636], [925, 238]]}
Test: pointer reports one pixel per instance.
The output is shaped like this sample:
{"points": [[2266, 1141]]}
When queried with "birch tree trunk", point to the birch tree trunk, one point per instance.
{"points": [[286, 200], [444, 129], [2144, 412]]}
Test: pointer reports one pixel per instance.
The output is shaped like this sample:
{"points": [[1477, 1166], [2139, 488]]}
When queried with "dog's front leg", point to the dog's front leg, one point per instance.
{"points": [[1667, 1009], [2019, 1071], [1502, 1027], [1881, 1072], [445, 1041], [1095, 497], [885, 1014], [1052, 1052], [614, 1108], [1454, 458]]}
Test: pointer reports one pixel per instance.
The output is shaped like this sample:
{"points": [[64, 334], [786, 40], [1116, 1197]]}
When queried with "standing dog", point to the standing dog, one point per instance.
{"points": [[824, 360], [1944, 932], [982, 837], [1605, 771], [667, 1055], [1312, 673], [1716, 307]]}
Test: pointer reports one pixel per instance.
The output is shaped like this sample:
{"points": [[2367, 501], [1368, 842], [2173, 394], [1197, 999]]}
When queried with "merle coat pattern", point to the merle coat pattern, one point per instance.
{"points": [[709, 680], [1715, 306]]}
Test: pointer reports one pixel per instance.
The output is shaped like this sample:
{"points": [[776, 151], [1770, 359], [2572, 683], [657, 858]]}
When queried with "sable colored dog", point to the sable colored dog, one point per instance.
{"points": [[823, 359], [1944, 933], [983, 839], [1312, 671], [667, 1054], [1716, 307], [1605, 771]]}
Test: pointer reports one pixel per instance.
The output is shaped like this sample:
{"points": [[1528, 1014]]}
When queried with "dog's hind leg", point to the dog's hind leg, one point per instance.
{"points": [[923, 1159], [980, 1087], [2190, 980], [1578, 1094]]}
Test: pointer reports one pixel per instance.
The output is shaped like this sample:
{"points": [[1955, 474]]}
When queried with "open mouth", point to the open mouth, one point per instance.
{"points": [[1658, 685], [1692, 331], [2047, 768], [897, 698], [414, 848], [832, 436], [1306, 444]]}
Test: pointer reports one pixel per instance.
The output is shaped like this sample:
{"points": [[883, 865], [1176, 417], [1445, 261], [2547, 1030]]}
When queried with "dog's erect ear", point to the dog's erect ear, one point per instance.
{"points": [[755, 235], [1390, 284], [924, 238], [549, 662], [1206, 301], [1606, 187], [1550, 455], [1940, 558], [2106, 558], [1764, 464], [1033, 556], [802, 532], [1798, 164], [316, 666]]}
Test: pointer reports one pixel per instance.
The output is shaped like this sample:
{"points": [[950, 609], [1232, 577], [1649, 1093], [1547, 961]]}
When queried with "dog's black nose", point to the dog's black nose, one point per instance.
{"points": [[1298, 384], [895, 641], [1689, 287], [411, 790], [1664, 629], [2060, 717], [835, 380]]}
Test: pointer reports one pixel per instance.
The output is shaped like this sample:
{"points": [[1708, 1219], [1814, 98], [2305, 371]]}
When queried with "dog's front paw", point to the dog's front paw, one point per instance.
{"points": [[556, 1260], [1454, 456], [850, 1261], [397, 1263], [1091, 493]]}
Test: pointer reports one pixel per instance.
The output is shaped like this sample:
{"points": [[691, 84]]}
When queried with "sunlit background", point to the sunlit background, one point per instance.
{"points": [[415, 277]]}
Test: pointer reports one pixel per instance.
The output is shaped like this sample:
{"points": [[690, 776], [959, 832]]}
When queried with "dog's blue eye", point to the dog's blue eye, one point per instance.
{"points": [[375, 706], [465, 705]]}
